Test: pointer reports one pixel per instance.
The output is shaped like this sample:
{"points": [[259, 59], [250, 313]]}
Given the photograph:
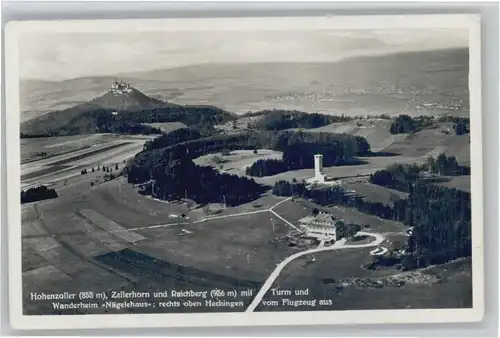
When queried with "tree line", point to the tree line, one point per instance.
{"points": [[286, 119], [301, 156], [202, 118], [446, 165], [184, 179], [407, 124], [172, 138], [403, 176], [37, 194], [103, 120], [337, 196]]}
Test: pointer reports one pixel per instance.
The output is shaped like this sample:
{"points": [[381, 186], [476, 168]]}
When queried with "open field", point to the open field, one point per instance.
{"points": [[458, 182], [113, 232], [242, 123], [167, 127], [237, 161], [239, 247], [42, 149], [427, 142], [376, 193], [57, 166], [374, 130], [31, 148]]}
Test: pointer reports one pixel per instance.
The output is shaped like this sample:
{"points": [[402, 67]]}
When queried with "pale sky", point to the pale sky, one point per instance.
{"points": [[59, 56]]}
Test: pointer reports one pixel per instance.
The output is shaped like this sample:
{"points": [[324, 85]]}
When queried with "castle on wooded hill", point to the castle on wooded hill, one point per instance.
{"points": [[120, 87]]}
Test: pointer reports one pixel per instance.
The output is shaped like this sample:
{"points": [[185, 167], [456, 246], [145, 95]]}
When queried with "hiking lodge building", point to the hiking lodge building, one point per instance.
{"points": [[321, 227]]}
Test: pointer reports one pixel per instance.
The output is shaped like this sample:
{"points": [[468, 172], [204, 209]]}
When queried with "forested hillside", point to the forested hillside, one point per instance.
{"points": [[123, 113], [288, 119]]}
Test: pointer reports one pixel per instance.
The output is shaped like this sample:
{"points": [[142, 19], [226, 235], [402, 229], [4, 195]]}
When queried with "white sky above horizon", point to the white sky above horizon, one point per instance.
{"points": [[60, 56]]}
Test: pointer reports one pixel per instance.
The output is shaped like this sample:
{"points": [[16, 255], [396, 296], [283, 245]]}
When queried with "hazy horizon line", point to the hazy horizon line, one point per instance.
{"points": [[130, 74]]}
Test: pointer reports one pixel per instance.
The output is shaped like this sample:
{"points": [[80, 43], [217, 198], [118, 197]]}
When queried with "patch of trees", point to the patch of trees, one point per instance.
{"points": [[390, 259], [375, 116], [346, 230], [461, 125], [109, 177], [172, 138], [39, 135], [406, 124], [398, 176], [37, 194], [268, 167], [403, 176], [184, 179], [448, 166], [287, 119]]}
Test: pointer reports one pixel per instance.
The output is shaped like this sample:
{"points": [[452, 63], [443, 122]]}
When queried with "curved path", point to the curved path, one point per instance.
{"points": [[337, 246]]}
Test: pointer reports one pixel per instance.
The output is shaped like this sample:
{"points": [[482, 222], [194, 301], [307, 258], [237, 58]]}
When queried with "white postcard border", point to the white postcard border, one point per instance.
{"points": [[21, 321]]}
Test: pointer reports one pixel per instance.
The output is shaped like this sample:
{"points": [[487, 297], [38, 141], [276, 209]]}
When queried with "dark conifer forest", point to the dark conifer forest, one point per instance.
{"points": [[37, 194], [288, 119]]}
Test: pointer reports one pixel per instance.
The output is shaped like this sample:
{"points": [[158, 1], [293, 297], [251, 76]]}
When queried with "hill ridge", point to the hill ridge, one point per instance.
{"points": [[123, 109]]}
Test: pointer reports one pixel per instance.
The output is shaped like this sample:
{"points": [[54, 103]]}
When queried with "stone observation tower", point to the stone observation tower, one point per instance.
{"points": [[318, 168]]}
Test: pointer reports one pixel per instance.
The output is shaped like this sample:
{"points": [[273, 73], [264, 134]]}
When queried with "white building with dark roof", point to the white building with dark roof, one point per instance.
{"points": [[322, 227]]}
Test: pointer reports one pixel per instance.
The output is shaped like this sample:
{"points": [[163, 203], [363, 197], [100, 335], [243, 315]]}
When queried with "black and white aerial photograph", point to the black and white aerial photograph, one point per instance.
{"points": [[244, 170]]}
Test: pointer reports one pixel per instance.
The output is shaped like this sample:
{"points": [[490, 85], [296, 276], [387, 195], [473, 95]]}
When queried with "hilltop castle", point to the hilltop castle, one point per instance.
{"points": [[120, 87]]}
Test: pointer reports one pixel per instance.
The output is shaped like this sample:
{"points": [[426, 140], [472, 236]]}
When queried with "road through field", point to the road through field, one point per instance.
{"points": [[337, 246], [216, 217]]}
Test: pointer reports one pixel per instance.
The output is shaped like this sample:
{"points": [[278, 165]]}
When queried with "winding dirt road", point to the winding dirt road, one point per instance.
{"points": [[339, 245]]}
